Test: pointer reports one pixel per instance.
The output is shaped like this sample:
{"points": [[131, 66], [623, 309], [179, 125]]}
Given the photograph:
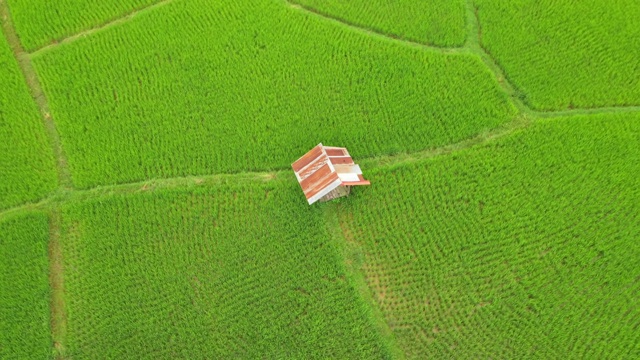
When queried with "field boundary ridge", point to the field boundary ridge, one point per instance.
{"points": [[66, 195], [56, 282], [189, 181], [374, 33], [122, 18], [586, 111], [474, 44], [179, 182], [35, 89], [520, 122], [350, 252]]}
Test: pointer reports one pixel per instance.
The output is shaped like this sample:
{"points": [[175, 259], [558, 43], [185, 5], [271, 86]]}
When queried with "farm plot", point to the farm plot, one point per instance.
{"points": [[200, 88], [27, 166], [219, 272], [525, 247], [24, 287], [42, 22], [434, 22], [566, 54]]}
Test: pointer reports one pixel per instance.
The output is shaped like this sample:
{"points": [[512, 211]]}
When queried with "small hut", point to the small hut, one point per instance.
{"points": [[327, 173]]}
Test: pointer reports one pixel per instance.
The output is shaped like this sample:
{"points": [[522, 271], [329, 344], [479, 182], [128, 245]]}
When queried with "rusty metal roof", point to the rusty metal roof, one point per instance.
{"points": [[323, 169]]}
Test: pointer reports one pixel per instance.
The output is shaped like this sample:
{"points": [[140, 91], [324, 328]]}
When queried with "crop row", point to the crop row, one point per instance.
{"points": [[525, 247], [196, 88], [566, 54], [434, 22], [27, 166], [232, 271], [24, 287]]}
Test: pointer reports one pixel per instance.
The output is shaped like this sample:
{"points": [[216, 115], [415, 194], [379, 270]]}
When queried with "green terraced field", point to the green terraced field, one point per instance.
{"points": [[566, 54], [27, 163], [148, 208], [436, 22], [25, 331]]}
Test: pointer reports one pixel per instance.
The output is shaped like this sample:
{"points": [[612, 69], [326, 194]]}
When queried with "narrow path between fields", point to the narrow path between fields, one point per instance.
{"points": [[585, 111], [522, 121], [113, 22], [351, 254], [33, 83], [56, 281], [54, 251], [374, 33], [474, 44], [60, 197]]}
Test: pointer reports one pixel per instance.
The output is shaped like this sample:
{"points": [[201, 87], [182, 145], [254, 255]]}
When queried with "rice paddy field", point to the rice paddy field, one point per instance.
{"points": [[148, 209]]}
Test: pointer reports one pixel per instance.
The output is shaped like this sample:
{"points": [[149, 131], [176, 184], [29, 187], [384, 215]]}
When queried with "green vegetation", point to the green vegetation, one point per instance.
{"points": [[179, 231], [245, 86], [24, 287], [27, 166], [41, 22], [566, 54], [525, 247], [218, 271], [434, 22]]}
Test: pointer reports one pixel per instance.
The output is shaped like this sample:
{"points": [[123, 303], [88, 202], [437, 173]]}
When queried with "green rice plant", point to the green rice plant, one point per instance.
{"points": [[42, 22], [566, 54], [434, 22], [200, 88], [218, 271], [24, 287], [27, 166], [526, 247]]}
